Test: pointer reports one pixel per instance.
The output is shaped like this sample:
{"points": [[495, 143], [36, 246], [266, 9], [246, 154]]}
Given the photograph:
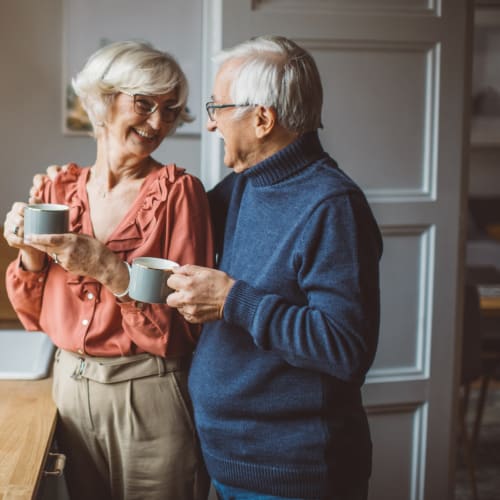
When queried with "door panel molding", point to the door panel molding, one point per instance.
{"points": [[408, 169], [403, 455], [360, 7], [406, 303]]}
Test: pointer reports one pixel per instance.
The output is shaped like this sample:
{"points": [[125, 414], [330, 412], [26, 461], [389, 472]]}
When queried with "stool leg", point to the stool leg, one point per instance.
{"points": [[480, 408], [464, 437], [466, 398]]}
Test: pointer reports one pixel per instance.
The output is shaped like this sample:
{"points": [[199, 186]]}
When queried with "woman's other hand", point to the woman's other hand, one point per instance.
{"points": [[83, 255]]}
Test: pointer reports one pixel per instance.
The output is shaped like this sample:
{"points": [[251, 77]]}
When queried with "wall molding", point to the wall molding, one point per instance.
{"points": [[422, 337], [427, 191], [366, 7]]}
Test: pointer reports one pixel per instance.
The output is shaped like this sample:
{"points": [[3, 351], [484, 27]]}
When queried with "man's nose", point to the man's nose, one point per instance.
{"points": [[211, 125]]}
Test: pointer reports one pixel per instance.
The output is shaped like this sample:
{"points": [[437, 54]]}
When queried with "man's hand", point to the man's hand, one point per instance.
{"points": [[200, 292]]}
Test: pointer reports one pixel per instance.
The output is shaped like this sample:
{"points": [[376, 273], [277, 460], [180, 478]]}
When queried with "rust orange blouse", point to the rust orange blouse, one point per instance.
{"points": [[170, 218]]}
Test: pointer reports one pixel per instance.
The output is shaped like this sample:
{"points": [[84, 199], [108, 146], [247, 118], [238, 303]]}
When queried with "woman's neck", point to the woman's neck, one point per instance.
{"points": [[110, 169]]}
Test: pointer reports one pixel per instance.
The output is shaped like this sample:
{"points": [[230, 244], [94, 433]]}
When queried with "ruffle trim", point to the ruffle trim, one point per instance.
{"points": [[69, 188], [141, 226]]}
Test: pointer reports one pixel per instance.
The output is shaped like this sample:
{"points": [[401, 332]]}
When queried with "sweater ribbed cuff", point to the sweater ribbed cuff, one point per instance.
{"points": [[241, 304]]}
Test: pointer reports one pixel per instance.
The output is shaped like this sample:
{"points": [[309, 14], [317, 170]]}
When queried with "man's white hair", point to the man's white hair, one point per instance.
{"points": [[275, 72]]}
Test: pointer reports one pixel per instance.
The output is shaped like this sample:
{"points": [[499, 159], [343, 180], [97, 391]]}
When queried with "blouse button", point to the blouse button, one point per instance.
{"points": [[85, 322], [90, 295]]}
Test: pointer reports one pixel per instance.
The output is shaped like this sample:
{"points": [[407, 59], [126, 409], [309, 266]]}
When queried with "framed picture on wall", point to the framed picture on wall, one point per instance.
{"points": [[485, 124], [169, 25]]}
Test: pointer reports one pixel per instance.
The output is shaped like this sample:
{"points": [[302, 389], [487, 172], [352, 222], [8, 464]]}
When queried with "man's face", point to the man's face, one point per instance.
{"points": [[241, 147]]}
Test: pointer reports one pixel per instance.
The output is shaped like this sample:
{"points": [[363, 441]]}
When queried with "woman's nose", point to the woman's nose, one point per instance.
{"points": [[154, 119]]}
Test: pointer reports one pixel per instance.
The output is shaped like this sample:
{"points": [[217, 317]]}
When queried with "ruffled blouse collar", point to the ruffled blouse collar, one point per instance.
{"points": [[138, 222]]}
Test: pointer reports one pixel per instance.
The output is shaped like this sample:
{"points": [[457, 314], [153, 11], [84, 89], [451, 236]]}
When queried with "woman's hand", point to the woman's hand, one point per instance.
{"points": [[33, 259], [200, 292], [78, 254], [13, 227], [13, 232], [38, 180], [83, 255]]}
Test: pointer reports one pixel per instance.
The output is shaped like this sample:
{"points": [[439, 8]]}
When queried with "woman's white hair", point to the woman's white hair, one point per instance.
{"points": [[133, 67], [275, 72]]}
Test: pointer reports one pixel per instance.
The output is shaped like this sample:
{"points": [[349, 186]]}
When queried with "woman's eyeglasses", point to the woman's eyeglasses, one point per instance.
{"points": [[145, 105]]}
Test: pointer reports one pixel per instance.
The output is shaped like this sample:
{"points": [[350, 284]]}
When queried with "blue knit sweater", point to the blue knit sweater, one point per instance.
{"points": [[276, 383]]}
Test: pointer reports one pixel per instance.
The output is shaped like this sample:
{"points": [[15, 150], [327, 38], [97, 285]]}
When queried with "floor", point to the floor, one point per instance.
{"points": [[487, 453]]}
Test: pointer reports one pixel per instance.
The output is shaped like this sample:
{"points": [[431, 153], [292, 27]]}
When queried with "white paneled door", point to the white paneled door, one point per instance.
{"points": [[394, 75]]}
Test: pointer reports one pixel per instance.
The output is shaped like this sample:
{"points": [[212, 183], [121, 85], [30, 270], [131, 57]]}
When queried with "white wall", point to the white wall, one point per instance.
{"points": [[30, 109]]}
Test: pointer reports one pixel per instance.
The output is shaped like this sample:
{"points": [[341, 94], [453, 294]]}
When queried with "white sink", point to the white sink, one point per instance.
{"points": [[25, 355]]}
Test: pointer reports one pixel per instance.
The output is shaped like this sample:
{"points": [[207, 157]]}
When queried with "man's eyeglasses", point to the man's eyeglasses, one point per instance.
{"points": [[212, 108], [145, 105]]}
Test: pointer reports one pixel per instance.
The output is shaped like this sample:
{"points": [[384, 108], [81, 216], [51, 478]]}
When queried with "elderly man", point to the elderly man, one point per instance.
{"points": [[292, 312]]}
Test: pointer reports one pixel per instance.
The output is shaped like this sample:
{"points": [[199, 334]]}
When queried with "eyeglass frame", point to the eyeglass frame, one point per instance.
{"points": [[153, 109], [211, 107]]}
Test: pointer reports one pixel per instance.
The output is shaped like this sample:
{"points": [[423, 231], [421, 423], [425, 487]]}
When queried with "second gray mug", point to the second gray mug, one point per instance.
{"points": [[148, 279]]}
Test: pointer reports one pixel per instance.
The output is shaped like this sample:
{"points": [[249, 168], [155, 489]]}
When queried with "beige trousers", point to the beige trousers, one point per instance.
{"points": [[125, 425]]}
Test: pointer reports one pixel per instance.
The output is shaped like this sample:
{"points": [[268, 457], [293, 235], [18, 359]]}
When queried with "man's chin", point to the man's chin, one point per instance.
{"points": [[236, 166], [239, 167]]}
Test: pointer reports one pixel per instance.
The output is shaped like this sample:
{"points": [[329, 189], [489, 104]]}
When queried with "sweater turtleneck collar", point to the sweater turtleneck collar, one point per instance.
{"points": [[286, 162]]}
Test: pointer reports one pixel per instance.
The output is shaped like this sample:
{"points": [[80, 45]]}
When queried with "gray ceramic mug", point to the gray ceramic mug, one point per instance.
{"points": [[148, 279], [46, 218]]}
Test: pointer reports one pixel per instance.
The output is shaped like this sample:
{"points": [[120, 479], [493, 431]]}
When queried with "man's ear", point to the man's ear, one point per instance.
{"points": [[265, 120]]}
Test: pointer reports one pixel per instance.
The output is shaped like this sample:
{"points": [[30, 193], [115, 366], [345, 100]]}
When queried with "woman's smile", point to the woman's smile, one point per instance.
{"points": [[145, 134]]}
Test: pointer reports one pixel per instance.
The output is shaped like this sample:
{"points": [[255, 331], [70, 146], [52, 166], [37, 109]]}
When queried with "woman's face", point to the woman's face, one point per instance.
{"points": [[136, 134]]}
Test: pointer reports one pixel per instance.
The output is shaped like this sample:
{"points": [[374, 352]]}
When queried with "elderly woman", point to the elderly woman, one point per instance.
{"points": [[120, 371]]}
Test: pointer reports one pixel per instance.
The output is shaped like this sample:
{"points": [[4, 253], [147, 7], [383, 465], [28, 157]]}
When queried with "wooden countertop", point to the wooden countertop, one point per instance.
{"points": [[27, 424]]}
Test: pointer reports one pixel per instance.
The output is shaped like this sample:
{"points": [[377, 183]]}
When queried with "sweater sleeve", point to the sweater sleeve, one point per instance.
{"points": [[336, 330]]}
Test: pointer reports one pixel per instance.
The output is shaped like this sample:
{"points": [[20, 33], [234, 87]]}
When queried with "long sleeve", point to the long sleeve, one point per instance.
{"points": [[335, 328], [25, 290]]}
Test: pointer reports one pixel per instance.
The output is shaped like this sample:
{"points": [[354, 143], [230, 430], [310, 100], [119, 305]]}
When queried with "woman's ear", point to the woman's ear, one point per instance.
{"points": [[265, 120]]}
